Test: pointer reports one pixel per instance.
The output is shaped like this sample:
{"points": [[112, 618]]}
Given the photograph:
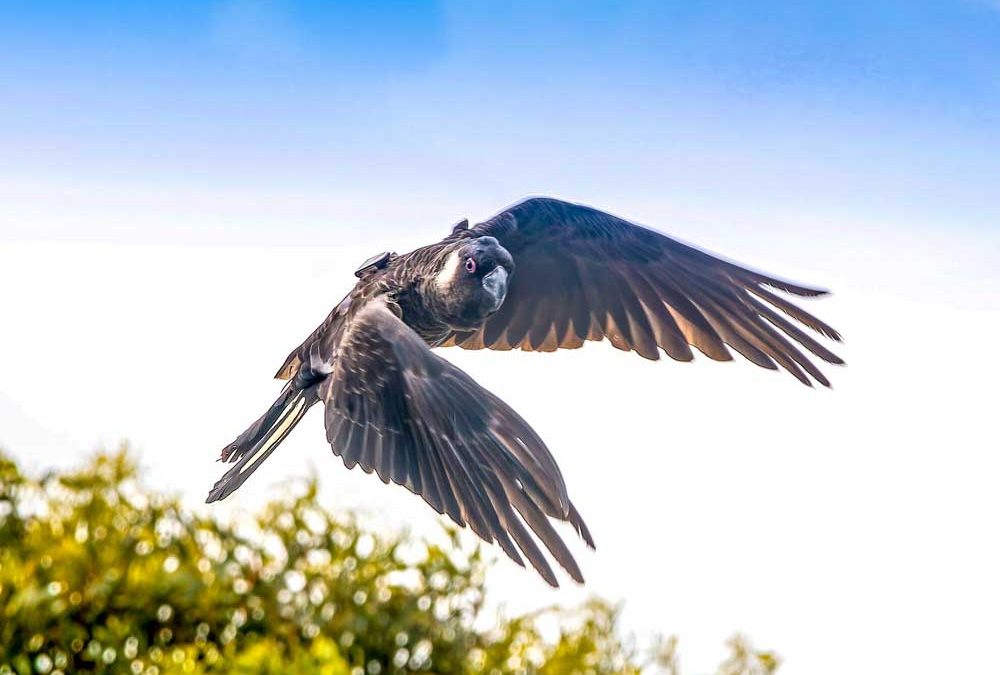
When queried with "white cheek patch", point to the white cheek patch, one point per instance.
{"points": [[447, 275]]}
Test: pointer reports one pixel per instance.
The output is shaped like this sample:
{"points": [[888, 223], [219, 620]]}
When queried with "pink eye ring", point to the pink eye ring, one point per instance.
{"points": [[470, 265]]}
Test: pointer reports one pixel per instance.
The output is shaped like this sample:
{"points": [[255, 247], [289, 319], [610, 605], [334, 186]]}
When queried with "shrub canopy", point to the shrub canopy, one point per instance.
{"points": [[99, 574]]}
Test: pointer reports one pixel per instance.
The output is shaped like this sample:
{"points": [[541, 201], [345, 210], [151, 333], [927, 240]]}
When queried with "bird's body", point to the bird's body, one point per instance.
{"points": [[541, 275]]}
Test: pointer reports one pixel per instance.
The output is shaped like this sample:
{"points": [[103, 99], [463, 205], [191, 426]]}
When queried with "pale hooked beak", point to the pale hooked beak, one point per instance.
{"points": [[495, 284]]}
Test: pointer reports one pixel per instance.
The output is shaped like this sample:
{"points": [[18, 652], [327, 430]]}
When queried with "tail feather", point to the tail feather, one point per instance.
{"points": [[255, 445]]}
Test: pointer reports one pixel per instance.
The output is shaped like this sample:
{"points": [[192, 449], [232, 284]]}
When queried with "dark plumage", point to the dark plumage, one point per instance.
{"points": [[540, 276]]}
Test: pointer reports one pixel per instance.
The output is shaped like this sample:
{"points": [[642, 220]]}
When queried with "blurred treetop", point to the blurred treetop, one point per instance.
{"points": [[99, 574]]}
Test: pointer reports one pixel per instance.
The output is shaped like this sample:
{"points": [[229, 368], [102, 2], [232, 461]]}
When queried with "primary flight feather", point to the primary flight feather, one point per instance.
{"points": [[542, 275]]}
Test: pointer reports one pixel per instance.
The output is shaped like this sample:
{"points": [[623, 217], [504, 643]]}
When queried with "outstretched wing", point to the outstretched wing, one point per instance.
{"points": [[582, 274], [396, 408]]}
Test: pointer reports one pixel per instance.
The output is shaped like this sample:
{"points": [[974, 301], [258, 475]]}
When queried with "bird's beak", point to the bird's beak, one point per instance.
{"points": [[495, 284]]}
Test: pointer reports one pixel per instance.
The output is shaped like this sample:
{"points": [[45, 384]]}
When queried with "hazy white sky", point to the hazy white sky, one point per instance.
{"points": [[835, 525], [173, 221]]}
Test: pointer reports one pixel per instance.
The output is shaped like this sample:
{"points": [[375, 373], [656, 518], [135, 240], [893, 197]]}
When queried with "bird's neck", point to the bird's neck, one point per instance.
{"points": [[418, 303]]}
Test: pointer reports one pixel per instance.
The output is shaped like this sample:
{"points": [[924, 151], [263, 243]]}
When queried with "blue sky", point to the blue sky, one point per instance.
{"points": [[803, 104], [169, 169]]}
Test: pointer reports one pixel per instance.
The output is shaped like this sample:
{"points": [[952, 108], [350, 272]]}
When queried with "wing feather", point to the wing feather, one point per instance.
{"points": [[395, 408], [582, 274]]}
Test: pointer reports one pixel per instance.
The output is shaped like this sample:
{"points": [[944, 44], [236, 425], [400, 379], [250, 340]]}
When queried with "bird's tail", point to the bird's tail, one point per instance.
{"points": [[256, 444]]}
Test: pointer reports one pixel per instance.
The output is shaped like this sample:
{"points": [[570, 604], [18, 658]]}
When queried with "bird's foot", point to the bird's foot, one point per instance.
{"points": [[227, 452]]}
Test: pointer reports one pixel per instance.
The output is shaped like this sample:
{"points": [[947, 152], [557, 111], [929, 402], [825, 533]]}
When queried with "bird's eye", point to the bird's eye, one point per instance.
{"points": [[470, 265]]}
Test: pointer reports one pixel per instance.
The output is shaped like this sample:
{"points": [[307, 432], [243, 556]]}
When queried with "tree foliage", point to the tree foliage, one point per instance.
{"points": [[99, 574]]}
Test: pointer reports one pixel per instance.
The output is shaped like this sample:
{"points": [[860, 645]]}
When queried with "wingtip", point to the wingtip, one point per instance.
{"points": [[581, 527], [575, 574], [542, 567], [550, 580]]}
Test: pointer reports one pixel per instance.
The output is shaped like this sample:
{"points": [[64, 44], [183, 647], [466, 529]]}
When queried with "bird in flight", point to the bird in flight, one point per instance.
{"points": [[541, 275]]}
